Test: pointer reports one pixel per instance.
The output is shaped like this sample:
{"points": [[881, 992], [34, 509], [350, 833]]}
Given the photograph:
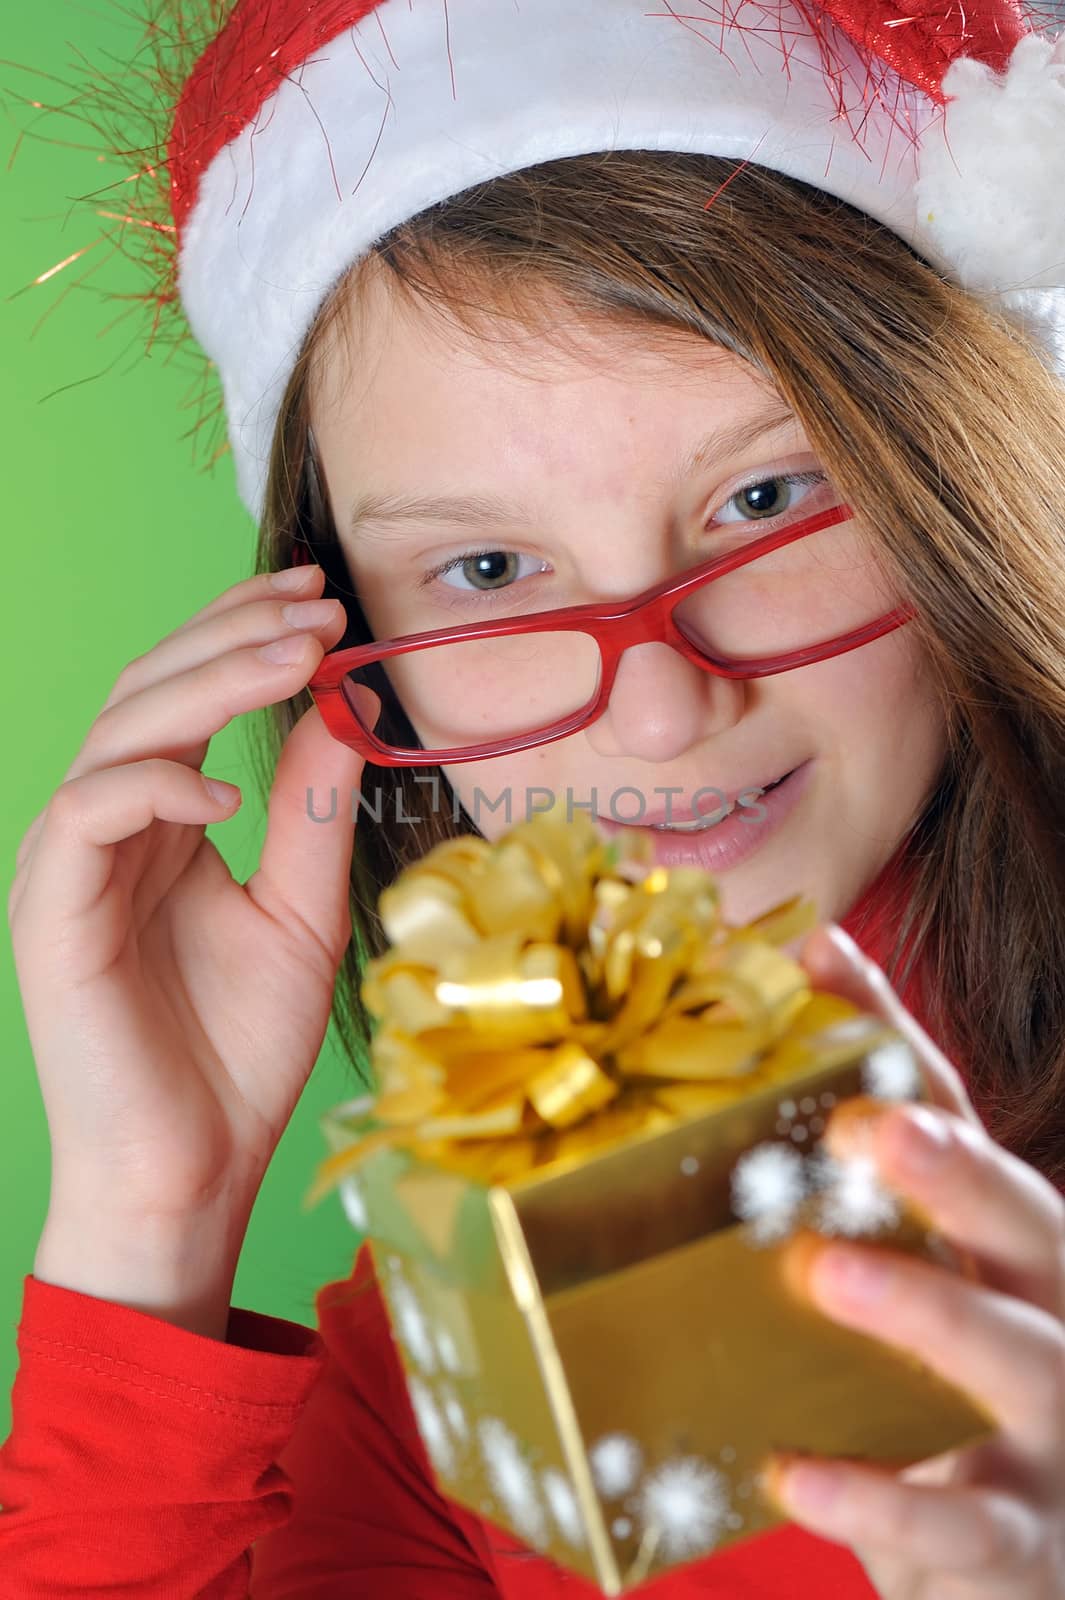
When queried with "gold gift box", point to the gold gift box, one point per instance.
{"points": [[600, 1344]]}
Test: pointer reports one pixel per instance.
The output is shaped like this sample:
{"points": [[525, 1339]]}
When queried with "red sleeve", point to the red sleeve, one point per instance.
{"points": [[281, 1465], [148, 1459], [142, 1458]]}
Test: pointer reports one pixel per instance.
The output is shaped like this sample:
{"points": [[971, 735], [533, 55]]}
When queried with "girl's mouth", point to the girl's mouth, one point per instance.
{"points": [[719, 845], [714, 818]]}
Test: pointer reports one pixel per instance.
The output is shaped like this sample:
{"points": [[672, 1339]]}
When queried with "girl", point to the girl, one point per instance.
{"points": [[617, 357]]}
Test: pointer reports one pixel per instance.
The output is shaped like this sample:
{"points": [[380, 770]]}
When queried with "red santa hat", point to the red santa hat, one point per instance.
{"points": [[310, 128]]}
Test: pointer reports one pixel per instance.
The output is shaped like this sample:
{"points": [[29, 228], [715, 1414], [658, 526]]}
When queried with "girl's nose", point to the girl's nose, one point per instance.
{"points": [[661, 705]]}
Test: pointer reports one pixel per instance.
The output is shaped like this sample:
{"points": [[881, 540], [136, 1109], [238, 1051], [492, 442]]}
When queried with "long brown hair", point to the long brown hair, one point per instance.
{"points": [[936, 420]]}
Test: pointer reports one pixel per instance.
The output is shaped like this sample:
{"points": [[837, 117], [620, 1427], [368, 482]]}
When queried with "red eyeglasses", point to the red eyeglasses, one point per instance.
{"points": [[486, 689]]}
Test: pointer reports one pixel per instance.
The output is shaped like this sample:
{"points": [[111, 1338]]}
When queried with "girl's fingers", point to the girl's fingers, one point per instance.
{"points": [[980, 1196], [173, 720], [306, 585], [952, 1530], [171, 701], [835, 963], [87, 817], [244, 620], [304, 867], [177, 717], [1007, 1355], [246, 615]]}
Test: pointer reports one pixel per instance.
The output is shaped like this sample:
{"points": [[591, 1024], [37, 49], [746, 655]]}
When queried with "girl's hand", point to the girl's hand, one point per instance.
{"points": [[987, 1522], [175, 1014]]}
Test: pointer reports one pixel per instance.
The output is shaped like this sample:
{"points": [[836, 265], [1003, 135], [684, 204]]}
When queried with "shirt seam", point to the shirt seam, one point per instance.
{"points": [[211, 1399]]}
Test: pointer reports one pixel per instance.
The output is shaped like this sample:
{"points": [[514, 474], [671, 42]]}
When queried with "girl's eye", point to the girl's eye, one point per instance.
{"points": [[491, 570], [771, 497], [485, 570]]}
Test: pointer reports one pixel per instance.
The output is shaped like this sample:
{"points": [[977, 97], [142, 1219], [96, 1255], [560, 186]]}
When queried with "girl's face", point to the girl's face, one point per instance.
{"points": [[595, 456]]}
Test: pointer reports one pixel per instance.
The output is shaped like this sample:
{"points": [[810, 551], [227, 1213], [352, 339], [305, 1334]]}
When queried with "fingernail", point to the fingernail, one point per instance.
{"points": [[292, 577], [858, 1276], [285, 651], [843, 942], [309, 613], [852, 1125], [223, 793], [927, 1140], [809, 1488]]}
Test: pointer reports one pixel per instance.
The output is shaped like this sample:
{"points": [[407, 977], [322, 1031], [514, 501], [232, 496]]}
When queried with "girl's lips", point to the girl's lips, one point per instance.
{"points": [[728, 842]]}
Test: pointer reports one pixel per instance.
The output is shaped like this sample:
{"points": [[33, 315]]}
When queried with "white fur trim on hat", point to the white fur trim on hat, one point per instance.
{"points": [[414, 104]]}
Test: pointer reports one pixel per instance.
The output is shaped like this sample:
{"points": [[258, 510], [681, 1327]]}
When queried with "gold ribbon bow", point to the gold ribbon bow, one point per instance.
{"points": [[550, 993]]}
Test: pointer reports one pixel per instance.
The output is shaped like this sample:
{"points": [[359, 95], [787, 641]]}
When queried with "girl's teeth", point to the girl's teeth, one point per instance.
{"points": [[696, 825], [701, 824]]}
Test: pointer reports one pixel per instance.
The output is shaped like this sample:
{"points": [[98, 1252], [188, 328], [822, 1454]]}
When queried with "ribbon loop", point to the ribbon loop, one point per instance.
{"points": [[551, 993]]}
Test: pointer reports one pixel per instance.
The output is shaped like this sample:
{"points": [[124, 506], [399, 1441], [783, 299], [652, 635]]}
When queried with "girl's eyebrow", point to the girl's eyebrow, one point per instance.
{"points": [[731, 438], [488, 511]]}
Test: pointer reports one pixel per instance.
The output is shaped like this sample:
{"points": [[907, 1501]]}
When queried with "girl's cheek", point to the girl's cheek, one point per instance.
{"points": [[497, 794]]}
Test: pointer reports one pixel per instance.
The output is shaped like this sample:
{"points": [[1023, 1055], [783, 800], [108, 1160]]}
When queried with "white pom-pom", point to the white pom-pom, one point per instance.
{"points": [[991, 190]]}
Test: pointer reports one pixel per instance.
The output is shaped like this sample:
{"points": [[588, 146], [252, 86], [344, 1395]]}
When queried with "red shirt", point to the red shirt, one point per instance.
{"points": [[146, 1461]]}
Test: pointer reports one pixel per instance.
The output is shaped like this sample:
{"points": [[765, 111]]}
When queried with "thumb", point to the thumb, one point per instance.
{"points": [[836, 964], [306, 856]]}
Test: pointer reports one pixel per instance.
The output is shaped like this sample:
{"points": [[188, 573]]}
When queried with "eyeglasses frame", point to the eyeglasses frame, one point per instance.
{"points": [[616, 626]]}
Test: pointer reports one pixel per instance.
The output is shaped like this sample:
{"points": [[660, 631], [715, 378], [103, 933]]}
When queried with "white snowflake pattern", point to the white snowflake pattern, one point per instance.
{"points": [[456, 1416], [768, 1186], [411, 1323], [351, 1199], [616, 1461], [562, 1503], [448, 1350], [431, 1426], [513, 1480], [852, 1200], [891, 1073], [685, 1503]]}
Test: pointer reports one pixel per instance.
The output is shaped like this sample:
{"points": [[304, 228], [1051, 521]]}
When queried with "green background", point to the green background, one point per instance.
{"points": [[114, 534]]}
